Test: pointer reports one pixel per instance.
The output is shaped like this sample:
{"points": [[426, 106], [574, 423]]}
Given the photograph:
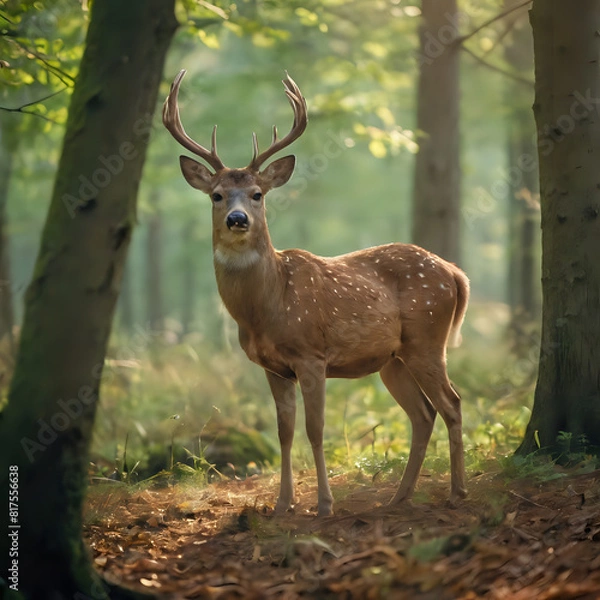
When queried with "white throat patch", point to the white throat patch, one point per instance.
{"points": [[236, 260]]}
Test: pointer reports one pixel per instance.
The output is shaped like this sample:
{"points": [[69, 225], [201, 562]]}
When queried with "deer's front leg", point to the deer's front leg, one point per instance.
{"points": [[312, 384], [284, 393]]}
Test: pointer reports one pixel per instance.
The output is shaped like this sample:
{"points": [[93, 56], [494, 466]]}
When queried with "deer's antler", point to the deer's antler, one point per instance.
{"points": [[172, 122], [298, 103]]}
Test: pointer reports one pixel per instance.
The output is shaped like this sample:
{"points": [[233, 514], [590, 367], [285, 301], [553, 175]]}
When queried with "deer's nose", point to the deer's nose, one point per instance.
{"points": [[237, 219]]}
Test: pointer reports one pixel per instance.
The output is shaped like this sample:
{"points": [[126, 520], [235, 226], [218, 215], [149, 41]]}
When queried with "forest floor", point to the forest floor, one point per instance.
{"points": [[521, 539]]}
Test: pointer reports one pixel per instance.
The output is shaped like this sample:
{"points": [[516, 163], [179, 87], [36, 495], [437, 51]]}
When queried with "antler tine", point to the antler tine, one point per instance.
{"points": [[298, 103], [172, 122]]}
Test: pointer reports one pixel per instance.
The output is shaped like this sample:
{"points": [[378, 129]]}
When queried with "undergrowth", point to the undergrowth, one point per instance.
{"points": [[168, 402]]}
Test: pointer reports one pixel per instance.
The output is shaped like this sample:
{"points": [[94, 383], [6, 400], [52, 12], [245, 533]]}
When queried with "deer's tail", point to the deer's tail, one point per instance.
{"points": [[462, 300]]}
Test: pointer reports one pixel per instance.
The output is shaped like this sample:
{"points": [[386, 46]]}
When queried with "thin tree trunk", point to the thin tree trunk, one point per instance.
{"points": [[189, 276], [567, 395], [45, 430], [436, 193], [523, 176], [125, 306], [7, 318], [154, 287]]}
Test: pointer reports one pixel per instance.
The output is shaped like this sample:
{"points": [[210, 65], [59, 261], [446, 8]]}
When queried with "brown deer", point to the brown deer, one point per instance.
{"points": [[390, 309]]}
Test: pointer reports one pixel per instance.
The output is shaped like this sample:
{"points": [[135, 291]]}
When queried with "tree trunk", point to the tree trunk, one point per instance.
{"points": [[154, 289], [523, 176], [45, 430], [7, 319], [125, 306], [189, 276], [436, 193], [567, 395]]}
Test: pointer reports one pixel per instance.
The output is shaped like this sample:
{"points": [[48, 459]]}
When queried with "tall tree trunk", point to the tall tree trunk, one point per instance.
{"points": [[7, 151], [45, 430], [523, 177], [154, 288], [189, 276], [436, 193], [125, 306], [567, 395]]}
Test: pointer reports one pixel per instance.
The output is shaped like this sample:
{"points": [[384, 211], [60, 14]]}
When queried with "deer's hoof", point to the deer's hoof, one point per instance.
{"points": [[456, 497], [281, 508]]}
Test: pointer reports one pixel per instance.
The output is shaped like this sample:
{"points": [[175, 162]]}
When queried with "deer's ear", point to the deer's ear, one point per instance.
{"points": [[196, 174], [278, 172]]}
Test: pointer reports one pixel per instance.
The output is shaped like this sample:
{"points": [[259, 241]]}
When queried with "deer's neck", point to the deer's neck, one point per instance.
{"points": [[250, 283]]}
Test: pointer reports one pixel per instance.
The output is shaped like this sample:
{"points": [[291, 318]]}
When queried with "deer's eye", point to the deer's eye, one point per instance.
{"points": [[257, 196], [217, 197]]}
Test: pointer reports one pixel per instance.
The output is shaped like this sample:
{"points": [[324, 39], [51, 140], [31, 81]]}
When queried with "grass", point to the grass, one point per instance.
{"points": [[176, 401]]}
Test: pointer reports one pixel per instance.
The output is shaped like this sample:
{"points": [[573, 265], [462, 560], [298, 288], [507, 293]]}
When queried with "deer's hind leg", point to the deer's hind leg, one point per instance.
{"points": [[407, 393], [427, 366]]}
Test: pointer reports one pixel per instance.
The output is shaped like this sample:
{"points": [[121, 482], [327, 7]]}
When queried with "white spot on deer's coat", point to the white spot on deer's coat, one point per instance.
{"points": [[421, 275], [408, 276], [425, 285]]}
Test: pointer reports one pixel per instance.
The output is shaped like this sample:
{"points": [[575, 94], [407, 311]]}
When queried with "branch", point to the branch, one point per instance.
{"points": [[57, 72], [509, 27], [21, 109], [487, 23], [3, 16], [513, 76]]}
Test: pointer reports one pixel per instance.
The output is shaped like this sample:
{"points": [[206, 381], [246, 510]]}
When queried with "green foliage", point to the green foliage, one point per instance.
{"points": [[41, 44]]}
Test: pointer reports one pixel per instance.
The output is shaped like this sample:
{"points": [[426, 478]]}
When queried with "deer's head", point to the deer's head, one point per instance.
{"points": [[238, 195]]}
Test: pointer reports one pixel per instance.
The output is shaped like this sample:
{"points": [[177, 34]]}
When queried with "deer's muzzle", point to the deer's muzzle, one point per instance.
{"points": [[237, 220]]}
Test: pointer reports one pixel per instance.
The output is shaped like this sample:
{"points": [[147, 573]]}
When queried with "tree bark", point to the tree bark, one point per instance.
{"points": [[523, 176], [436, 191], [567, 395], [154, 288], [8, 145], [125, 306], [189, 268], [45, 430]]}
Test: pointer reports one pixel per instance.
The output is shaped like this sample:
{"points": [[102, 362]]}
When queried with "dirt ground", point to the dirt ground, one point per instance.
{"points": [[521, 539]]}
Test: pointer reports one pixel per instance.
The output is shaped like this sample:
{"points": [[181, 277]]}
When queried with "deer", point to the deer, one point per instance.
{"points": [[392, 309]]}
